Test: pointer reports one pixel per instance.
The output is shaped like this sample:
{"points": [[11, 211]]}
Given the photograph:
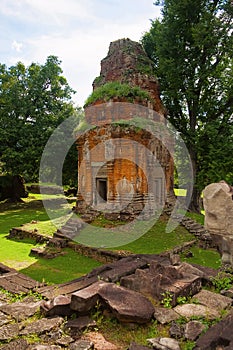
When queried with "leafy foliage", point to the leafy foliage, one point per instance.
{"points": [[222, 281], [167, 299], [191, 49], [115, 89], [34, 100]]}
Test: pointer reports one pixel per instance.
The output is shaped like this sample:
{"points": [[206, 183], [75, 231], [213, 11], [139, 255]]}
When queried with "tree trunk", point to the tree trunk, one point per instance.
{"points": [[195, 203]]}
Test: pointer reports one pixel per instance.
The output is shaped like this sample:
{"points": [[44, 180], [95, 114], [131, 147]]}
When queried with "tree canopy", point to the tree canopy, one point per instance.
{"points": [[34, 100], [191, 47]]}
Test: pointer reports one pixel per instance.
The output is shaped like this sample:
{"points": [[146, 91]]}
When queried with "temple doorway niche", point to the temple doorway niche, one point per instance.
{"points": [[102, 189]]}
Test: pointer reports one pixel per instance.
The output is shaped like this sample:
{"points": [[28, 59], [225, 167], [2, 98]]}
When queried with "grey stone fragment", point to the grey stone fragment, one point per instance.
{"points": [[219, 334], [79, 324], [134, 346], [189, 310], [43, 325], [193, 329], [20, 310], [18, 344], [126, 305], [43, 347], [164, 343], [9, 331], [227, 293], [176, 330], [85, 299], [213, 300], [82, 345], [65, 340], [165, 315], [4, 319], [60, 305]]}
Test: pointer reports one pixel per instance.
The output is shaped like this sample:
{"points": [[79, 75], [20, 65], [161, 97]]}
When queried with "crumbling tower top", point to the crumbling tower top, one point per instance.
{"points": [[126, 75]]}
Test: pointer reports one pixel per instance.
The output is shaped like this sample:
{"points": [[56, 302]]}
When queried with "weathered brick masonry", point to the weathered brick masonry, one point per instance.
{"points": [[124, 163]]}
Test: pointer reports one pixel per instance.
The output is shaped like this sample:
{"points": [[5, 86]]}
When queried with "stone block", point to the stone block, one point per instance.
{"points": [[85, 299], [218, 205], [79, 324], [164, 315], [42, 325], [59, 306], [213, 300], [190, 310], [20, 310], [9, 331], [18, 344], [164, 343], [126, 305], [193, 329], [218, 335]]}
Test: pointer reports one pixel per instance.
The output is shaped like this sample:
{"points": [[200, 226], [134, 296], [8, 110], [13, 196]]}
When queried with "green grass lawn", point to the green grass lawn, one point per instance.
{"points": [[157, 240], [16, 253]]}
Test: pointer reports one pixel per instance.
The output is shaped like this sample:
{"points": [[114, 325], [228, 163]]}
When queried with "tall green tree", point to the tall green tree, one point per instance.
{"points": [[191, 46], [34, 100]]}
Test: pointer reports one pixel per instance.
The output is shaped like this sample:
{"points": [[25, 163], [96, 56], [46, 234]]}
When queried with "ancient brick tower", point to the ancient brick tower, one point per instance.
{"points": [[124, 166]]}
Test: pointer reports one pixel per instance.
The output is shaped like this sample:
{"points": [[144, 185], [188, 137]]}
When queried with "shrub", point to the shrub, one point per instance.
{"points": [[116, 89]]}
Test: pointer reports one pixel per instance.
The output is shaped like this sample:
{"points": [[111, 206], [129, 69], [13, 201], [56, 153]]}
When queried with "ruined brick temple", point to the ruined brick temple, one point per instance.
{"points": [[124, 167]]}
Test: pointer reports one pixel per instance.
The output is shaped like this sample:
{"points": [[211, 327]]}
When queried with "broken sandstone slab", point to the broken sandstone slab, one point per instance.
{"points": [[42, 326], [213, 300], [9, 331], [126, 305], [193, 329], [59, 305], [100, 343], [85, 299], [20, 310], [76, 326], [164, 343], [190, 310], [164, 315], [219, 334]]}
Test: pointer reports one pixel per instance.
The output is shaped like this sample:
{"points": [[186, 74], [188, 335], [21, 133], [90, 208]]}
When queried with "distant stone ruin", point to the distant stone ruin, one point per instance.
{"points": [[218, 205], [123, 167]]}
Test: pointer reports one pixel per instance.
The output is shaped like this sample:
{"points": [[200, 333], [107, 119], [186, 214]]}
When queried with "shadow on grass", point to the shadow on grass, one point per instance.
{"points": [[16, 214]]}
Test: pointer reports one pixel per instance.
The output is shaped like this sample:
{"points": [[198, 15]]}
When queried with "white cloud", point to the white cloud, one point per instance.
{"points": [[77, 31], [17, 46]]}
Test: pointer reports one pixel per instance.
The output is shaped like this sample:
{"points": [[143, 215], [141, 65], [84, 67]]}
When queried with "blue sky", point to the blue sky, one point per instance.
{"points": [[77, 31]]}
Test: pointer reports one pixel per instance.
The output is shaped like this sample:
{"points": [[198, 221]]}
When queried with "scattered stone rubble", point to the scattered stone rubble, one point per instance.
{"points": [[123, 289]]}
